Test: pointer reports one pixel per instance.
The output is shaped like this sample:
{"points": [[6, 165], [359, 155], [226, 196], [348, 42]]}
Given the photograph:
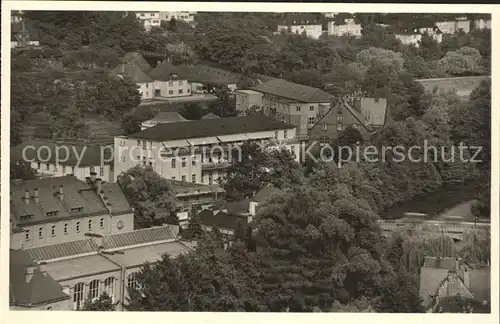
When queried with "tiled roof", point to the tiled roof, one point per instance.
{"points": [[207, 74], [41, 289], [138, 237], [137, 59], [163, 72], [133, 72], [221, 219], [89, 154], [210, 127], [210, 116], [294, 91], [266, 192], [77, 194], [62, 250], [373, 110], [301, 19]]}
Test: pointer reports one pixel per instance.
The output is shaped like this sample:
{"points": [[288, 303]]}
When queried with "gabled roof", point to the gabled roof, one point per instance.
{"points": [[210, 127], [221, 220], [138, 59], [165, 71], [266, 192], [41, 289], [293, 91], [88, 154], [133, 72], [167, 117], [210, 116], [207, 74]]}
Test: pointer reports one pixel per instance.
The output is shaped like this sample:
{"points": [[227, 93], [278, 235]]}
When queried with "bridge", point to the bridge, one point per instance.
{"points": [[453, 228]]}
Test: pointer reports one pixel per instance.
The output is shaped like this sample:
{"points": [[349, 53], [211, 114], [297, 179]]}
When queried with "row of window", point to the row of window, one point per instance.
{"points": [[27, 232], [285, 134], [183, 178], [94, 291], [298, 108], [64, 168]]}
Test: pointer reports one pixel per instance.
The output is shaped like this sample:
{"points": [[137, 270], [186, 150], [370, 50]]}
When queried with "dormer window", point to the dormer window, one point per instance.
{"points": [[26, 217], [52, 213], [77, 209]]}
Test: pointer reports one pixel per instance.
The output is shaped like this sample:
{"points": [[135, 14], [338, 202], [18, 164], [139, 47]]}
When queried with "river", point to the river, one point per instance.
{"points": [[436, 202]]}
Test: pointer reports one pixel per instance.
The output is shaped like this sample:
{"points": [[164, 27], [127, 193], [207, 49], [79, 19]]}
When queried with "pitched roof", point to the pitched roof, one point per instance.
{"points": [[62, 250], [207, 74], [41, 289], [113, 241], [136, 237], [210, 127], [221, 220], [165, 71], [293, 91], [77, 194], [133, 72], [137, 59], [87, 154], [266, 192], [168, 116], [210, 116]]}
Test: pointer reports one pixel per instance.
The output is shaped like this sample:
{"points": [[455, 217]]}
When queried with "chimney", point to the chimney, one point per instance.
{"points": [[42, 267], [92, 176], [61, 192], [26, 196], [35, 195], [98, 185], [30, 270]]}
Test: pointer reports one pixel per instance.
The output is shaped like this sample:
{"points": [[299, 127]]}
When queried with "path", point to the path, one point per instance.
{"points": [[461, 211]]}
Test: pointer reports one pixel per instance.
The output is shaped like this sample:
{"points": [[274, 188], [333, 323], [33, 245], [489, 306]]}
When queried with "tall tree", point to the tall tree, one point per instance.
{"points": [[151, 196]]}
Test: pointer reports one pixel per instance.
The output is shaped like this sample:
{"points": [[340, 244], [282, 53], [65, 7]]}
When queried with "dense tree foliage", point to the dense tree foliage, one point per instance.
{"points": [[103, 304], [22, 170], [254, 167], [150, 195]]}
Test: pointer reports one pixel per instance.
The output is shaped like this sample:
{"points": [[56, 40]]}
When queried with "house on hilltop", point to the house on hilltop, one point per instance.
{"points": [[344, 24], [306, 23], [24, 33]]}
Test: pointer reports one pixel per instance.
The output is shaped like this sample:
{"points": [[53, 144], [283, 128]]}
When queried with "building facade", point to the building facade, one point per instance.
{"points": [[453, 26], [149, 19], [348, 27], [63, 276], [168, 83], [186, 16], [308, 24], [56, 159], [198, 151], [293, 103], [482, 23], [246, 99], [62, 209]]}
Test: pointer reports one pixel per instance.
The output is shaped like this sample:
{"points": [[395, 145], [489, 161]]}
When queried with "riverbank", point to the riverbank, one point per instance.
{"points": [[433, 204]]}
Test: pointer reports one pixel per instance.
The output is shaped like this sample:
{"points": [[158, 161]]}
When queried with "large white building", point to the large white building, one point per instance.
{"points": [[168, 83], [150, 19], [302, 24], [56, 159], [197, 151], [346, 27], [186, 16]]}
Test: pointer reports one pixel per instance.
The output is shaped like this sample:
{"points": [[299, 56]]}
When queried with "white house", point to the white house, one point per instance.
{"points": [[302, 24], [150, 19], [168, 83], [186, 16], [452, 26], [482, 23], [347, 27], [56, 159]]}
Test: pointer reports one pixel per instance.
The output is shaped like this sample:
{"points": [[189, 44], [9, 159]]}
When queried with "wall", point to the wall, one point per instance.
{"points": [[174, 88], [462, 85], [339, 30], [313, 31], [70, 284], [146, 90], [409, 39], [72, 233], [447, 27], [335, 126], [81, 173], [246, 100]]}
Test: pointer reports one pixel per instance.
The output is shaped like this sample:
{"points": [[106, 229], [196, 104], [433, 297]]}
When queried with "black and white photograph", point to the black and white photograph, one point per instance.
{"points": [[249, 161]]}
